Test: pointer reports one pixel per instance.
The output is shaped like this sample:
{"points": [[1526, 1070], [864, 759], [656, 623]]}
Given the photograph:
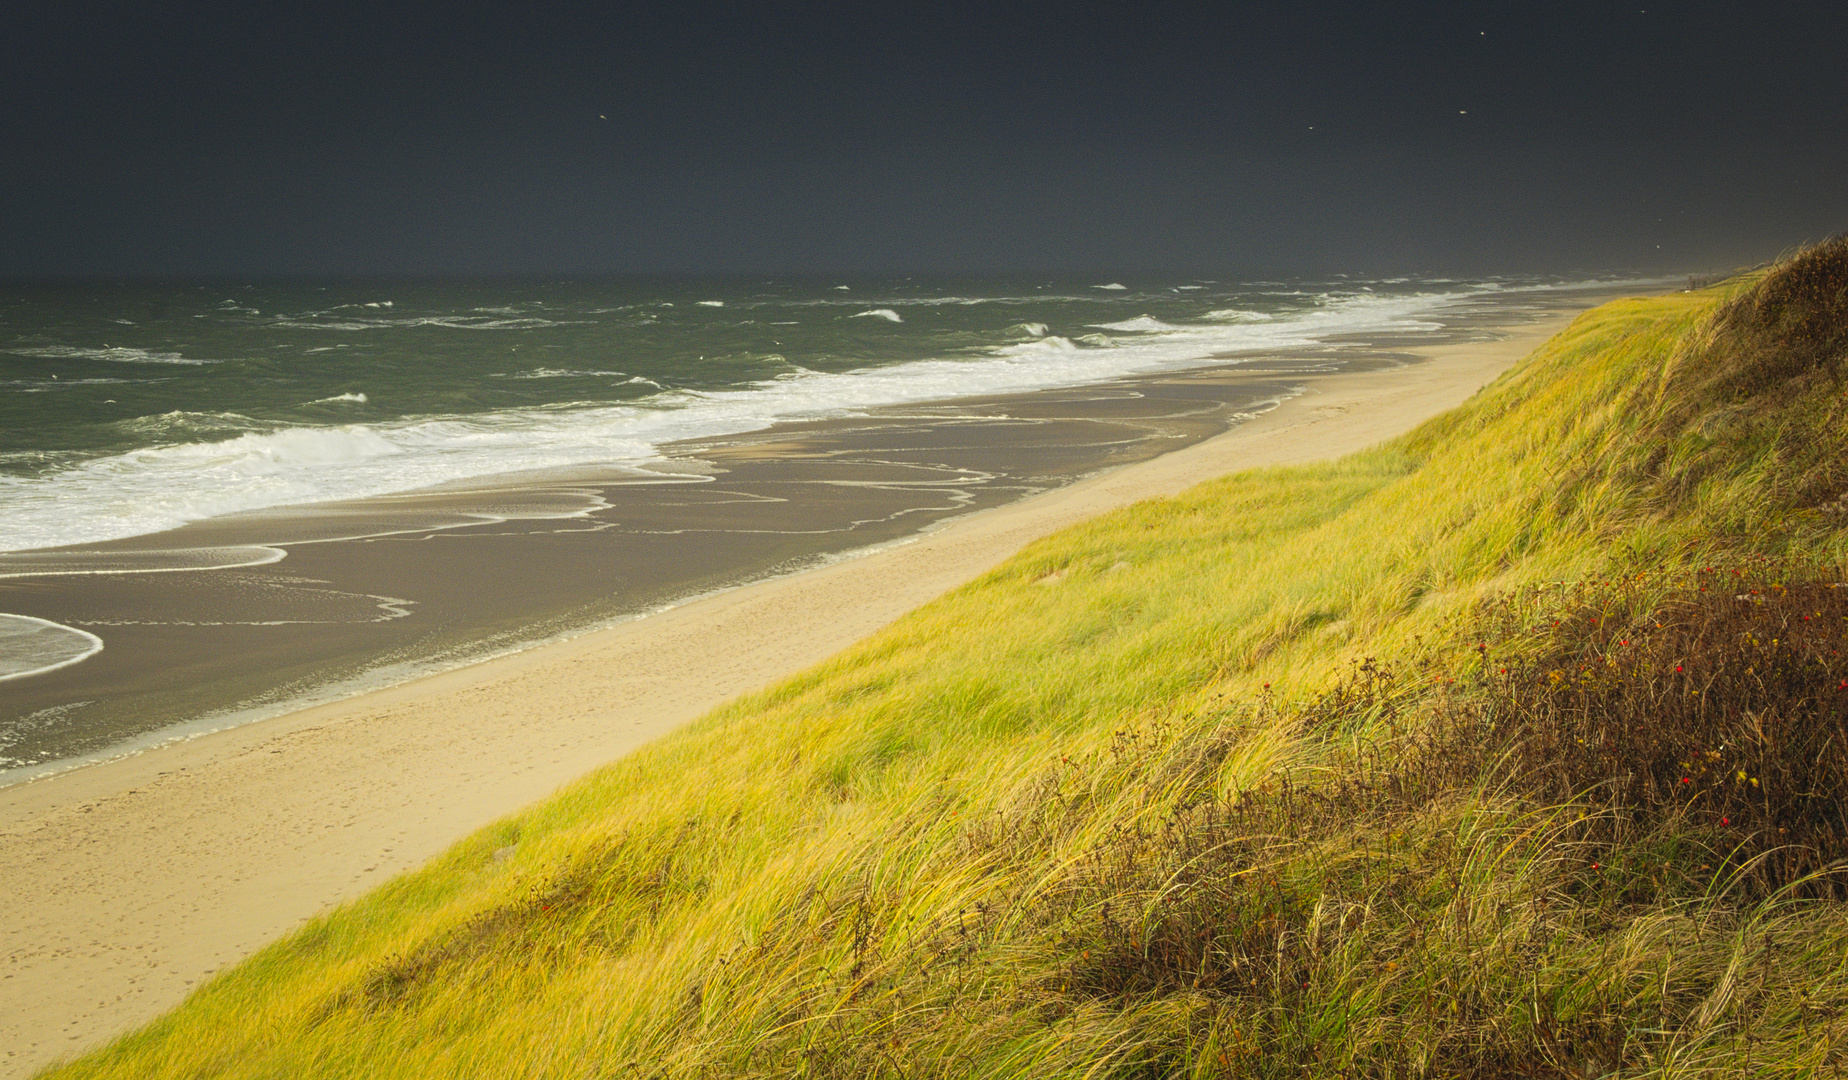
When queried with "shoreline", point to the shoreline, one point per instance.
{"points": [[135, 878], [381, 591]]}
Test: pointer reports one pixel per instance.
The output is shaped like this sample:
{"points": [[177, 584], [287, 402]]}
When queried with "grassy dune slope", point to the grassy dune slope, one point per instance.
{"points": [[1376, 767]]}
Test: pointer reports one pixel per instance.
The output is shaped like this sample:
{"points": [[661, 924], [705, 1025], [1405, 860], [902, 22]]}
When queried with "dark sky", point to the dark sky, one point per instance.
{"points": [[283, 138]]}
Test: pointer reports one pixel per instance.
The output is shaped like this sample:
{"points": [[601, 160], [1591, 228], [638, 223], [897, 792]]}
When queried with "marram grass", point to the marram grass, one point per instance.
{"points": [[1268, 779]]}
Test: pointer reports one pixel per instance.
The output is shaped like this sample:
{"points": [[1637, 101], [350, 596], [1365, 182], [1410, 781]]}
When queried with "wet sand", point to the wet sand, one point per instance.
{"points": [[440, 578], [130, 881]]}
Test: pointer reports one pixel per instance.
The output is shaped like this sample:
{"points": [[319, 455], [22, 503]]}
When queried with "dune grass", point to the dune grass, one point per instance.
{"points": [[1376, 767]]}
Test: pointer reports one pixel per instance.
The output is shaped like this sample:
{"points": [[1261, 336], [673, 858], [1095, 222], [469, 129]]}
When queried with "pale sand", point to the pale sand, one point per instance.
{"points": [[128, 882]]}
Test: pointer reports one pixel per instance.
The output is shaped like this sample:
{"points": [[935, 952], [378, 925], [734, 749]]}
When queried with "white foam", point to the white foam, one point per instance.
{"points": [[562, 373], [360, 398], [30, 646], [38, 386], [113, 353], [711, 303], [1050, 344], [949, 301], [163, 485], [1238, 315], [1114, 286], [318, 321], [181, 423], [1141, 324], [885, 313], [1037, 329]]}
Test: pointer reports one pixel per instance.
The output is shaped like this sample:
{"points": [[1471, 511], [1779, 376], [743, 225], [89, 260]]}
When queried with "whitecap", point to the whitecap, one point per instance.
{"points": [[938, 301], [1238, 315], [453, 322], [113, 353], [356, 397], [711, 303], [35, 386], [885, 313], [186, 424], [561, 373], [1141, 324], [1042, 347], [1113, 286], [1036, 329], [31, 646]]}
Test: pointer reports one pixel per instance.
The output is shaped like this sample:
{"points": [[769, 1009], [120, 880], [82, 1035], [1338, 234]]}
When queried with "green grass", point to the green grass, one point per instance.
{"points": [[1267, 779]]}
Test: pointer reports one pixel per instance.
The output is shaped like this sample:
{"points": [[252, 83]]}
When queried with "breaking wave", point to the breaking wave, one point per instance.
{"points": [[1141, 324], [115, 354], [195, 465], [317, 321]]}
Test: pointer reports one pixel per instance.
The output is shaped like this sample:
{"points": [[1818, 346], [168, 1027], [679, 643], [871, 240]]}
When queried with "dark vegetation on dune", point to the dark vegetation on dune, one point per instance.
{"points": [[1685, 749]]}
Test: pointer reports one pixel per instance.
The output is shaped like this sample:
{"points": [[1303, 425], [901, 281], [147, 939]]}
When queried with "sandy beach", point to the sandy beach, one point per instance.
{"points": [[131, 881]]}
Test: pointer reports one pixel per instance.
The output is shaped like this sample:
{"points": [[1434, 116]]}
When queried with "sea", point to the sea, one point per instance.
{"points": [[128, 408]]}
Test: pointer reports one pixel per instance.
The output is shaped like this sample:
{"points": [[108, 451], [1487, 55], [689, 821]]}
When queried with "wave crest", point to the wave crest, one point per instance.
{"points": [[562, 373], [185, 424], [115, 354], [1046, 346], [314, 321], [1141, 324]]}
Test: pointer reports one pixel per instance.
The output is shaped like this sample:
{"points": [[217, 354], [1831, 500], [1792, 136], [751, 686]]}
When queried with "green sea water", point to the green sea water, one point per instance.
{"points": [[127, 407]]}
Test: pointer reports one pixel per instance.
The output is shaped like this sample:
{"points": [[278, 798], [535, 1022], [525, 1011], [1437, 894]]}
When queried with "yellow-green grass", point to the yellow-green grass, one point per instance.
{"points": [[984, 841]]}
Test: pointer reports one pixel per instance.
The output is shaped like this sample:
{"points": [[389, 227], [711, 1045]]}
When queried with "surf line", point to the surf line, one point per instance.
{"points": [[30, 563], [35, 646]]}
